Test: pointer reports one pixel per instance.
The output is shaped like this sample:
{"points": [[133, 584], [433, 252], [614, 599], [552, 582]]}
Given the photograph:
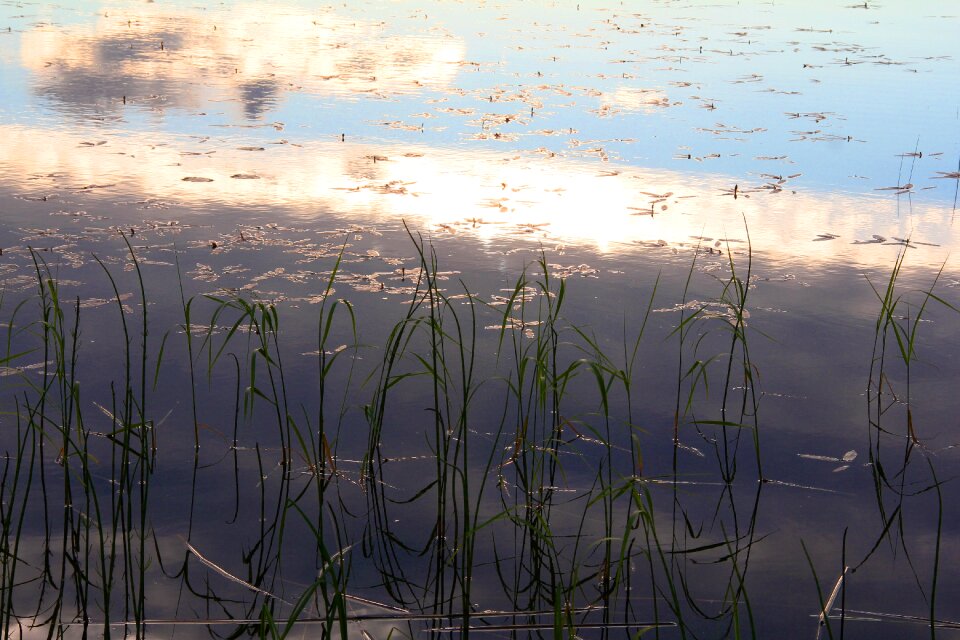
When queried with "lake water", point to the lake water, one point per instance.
{"points": [[510, 319]]}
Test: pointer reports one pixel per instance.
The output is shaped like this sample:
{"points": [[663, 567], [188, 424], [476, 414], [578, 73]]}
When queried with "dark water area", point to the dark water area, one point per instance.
{"points": [[379, 320]]}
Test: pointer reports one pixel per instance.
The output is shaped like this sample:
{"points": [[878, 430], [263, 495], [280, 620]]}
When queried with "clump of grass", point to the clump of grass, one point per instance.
{"points": [[528, 474], [897, 478]]}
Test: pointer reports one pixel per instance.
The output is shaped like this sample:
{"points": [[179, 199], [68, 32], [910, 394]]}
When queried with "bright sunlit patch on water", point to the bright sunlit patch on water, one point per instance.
{"points": [[484, 194]]}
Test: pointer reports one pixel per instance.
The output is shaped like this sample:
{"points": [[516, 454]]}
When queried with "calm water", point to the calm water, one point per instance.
{"points": [[652, 155]]}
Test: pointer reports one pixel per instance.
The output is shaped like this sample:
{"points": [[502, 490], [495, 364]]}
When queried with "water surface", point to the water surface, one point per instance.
{"points": [[739, 181]]}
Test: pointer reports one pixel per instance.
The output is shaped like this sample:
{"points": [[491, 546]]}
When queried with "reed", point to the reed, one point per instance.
{"points": [[525, 500]]}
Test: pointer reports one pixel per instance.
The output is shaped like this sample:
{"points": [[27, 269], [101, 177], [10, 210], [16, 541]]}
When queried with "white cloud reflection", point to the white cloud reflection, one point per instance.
{"points": [[482, 193], [183, 57]]}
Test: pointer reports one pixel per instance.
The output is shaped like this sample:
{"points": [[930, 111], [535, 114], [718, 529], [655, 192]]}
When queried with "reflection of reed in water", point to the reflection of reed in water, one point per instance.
{"points": [[451, 479]]}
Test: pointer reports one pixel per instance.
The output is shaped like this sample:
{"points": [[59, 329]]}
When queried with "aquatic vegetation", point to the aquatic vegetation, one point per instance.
{"points": [[525, 501]]}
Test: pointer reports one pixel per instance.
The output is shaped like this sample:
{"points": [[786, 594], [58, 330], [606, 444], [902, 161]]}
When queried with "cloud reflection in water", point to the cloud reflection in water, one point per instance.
{"points": [[484, 193], [165, 57]]}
